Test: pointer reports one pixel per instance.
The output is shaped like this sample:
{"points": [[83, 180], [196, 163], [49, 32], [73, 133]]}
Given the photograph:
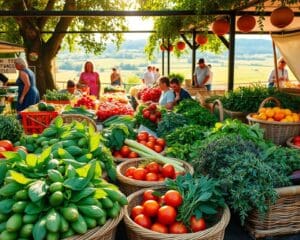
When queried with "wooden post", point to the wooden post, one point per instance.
{"points": [[275, 64], [231, 52]]}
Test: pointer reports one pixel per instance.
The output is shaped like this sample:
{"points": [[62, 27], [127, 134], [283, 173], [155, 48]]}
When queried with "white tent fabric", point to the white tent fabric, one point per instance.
{"points": [[289, 47]]}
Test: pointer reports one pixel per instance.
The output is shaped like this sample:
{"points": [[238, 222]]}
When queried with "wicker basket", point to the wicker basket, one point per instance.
{"points": [[68, 118], [289, 142], [278, 132], [106, 232], [121, 159], [136, 232], [282, 218], [128, 185], [233, 115]]}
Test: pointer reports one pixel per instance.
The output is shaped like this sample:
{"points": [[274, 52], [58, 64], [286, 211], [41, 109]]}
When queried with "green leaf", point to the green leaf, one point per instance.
{"points": [[207, 209], [10, 189], [83, 171], [205, 196], [98, 170], [33, 208], [31, 159], [37, 190], [198, 214], [44, 155], [39, 230], [77, 196], [59, 122], [76, 184], [6, 205], [94, 142], [100, 193], [12, 156], [20, 178], [3, 171]]}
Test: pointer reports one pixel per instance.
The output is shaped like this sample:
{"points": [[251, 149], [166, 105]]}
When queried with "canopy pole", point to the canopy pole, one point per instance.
{"points": [[275, 64], [163, 58], [231, 52]]}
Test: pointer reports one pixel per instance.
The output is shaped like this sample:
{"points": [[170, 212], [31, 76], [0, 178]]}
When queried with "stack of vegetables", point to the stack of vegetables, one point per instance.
{"points": [[42, 196], [149, 94], [107, 109]]}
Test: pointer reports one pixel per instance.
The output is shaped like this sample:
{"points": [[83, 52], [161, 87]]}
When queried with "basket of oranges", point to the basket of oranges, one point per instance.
{"points": [[279, 124]]}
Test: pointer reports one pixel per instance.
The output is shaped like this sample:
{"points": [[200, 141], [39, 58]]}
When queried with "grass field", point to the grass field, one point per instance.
{"points": [[246, 71]]}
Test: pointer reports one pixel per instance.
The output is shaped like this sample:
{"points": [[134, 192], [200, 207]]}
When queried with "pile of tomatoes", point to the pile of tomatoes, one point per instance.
{"points": [[149, 94], [152, 171], [159, 214], [6, 145], [296, 141], [152, 113], [108, 109], [86, 102]]}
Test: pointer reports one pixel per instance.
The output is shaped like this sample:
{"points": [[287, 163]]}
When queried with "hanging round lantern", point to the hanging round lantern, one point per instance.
{"points": [[246, 23], [220, 26], [281, 17], [180, 45], [162, 47], [201, 39], [33, 56], [170, 48]]}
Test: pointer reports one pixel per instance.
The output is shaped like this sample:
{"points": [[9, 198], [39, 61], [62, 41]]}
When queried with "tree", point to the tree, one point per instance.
{"points": [[46, 45]]}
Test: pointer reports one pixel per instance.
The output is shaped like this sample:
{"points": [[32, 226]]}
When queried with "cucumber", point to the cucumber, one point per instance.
{"points": [[55, 176], [30, 218], [22, 194], [90, 222], [19, 206], [56, 186], [79, 226], [74, 150], [92, 211], [114, 211], [106, 202], [14, 223], [64, 225], [3, 217], [52, 236], [88, 201], [2, 227], [69, 233], [116, 196], [53, 164], [5, 235], [53, 221], [50, 132], [26, 230], [56, 198], [70, 213]]}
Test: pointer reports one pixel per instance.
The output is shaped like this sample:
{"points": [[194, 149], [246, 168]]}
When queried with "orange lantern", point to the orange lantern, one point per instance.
{"points": [[220, 26], [201, 39], [180, 45], [246, 23], [281, 17]]}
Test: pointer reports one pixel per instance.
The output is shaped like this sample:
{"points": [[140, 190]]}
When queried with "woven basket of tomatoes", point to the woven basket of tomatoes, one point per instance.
{"points": [[294, 142], [144, 172], [152, 214]]}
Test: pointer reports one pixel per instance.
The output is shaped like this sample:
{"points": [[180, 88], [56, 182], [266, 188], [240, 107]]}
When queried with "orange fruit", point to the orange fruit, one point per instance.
{"points": [[262, 110], [262, 116], [289, 119], [255, 116], [295, 117], [287, 112], [270, 119], [278, 116], [276, 109], [269, 112]]}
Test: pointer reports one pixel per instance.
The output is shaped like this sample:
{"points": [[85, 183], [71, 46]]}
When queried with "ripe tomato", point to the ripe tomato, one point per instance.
{"points": [[178, 228], [117, 154], [151, 139], [158, 114], [147, 195], [173, 198], [125, 151], [2, 149], [139, 174], [133, 155], [166, 215], [161, 142], [146, 114], [152, 107], [153, 167], [151, 208], [197, 225], [157, 148], [151, 177], [137, 210], [142, 136], [143, 142], [168, 170], [161, 200], [152, 117], [161, 178], [150, 145], [129, 171], [143, 221], [158, 227], [7, 145]]}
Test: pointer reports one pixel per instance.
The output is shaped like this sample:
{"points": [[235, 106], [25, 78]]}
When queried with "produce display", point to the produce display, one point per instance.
{"points": [[276, 114], [295, 141], [55, 95], [108, 97], [43, 106], [79, 110], [108, 109], [86, 102], [10, 128], [187, 205], [149, 115], [7, 145], [45, 198], [149, 94], [113, 89]]}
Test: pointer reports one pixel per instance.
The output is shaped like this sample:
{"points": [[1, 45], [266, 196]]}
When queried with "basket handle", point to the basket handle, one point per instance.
{"points": [[277, 102], [217, 102]]}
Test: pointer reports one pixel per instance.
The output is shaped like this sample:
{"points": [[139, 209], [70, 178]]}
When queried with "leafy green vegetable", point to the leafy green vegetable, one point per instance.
{"points": [[170, 121], [57, 95], [202, 197], [10, 128]]}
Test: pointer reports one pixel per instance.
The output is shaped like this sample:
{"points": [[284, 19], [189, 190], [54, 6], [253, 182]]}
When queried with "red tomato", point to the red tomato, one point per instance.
{"points": [[151, 139], [157, 148], [166, 215], [133, 155], [125, 151], [173, 198], [151, 208], [152, 107], [2, 149], [142, 136], [197, 225], [137, 210], [139, 174], [158, 227], [168, 171], [158, 114], [129, 171], [150, 145], [151, 177], [7, 145], [161, 178], [143, 221], [143, 142], [149, 196], [178, 228], [153, 167], [152, 117], [161, 142], [161, 200]]}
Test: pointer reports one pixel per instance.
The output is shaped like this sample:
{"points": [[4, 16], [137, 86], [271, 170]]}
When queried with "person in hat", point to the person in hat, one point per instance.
{"points": [[201, 74], [282, 73], [28, 94]]}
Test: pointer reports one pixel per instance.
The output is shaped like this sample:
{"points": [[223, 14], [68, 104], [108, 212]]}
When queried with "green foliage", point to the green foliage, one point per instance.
{"points": [[195, 113], [170, 121], [179, 76], [10, 128], [202, 197], [56, 95]]}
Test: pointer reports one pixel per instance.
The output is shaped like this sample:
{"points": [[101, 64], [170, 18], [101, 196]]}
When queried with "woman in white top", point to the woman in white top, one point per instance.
{"points": [[282, 74]]}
